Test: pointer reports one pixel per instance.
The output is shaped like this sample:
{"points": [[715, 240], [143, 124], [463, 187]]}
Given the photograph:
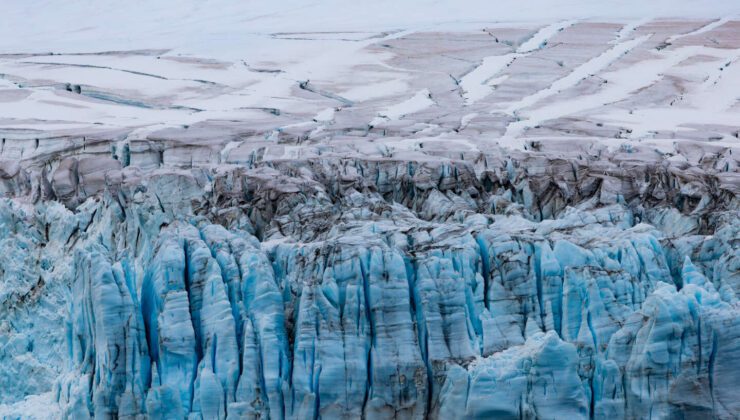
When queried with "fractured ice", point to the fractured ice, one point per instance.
{"points": [[342, 288], [504, 222]]}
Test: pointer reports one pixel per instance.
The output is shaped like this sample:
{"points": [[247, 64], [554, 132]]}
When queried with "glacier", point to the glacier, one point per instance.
{"points": [[269, 211], [373, 289]]}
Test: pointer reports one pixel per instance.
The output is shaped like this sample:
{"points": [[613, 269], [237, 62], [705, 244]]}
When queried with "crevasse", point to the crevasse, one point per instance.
{"points": [[435, 293]]}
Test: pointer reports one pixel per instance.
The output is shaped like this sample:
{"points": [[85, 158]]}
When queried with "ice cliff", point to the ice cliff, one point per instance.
{"points": [[227, 210], [516, 287]]}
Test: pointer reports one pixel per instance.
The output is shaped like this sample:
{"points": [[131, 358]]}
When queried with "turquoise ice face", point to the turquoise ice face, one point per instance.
{"points": [[147, 304]]}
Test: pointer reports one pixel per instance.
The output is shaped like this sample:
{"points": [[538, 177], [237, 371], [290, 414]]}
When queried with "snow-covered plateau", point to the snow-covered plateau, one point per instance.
{"points": [[288, 212]]}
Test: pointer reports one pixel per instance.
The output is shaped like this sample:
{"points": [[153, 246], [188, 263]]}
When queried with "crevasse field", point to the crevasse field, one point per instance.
{"points": [[383, 210]]}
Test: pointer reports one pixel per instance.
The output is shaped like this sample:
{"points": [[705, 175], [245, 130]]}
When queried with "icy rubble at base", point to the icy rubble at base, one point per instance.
{"points": [[284, 293], [42, 406]]}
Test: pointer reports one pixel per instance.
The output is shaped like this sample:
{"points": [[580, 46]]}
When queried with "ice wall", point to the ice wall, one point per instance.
{"points": [[393, 290]]}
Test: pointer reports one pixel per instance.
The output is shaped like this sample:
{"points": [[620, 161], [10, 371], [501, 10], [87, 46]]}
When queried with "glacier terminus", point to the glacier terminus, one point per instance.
{"points": [[216, 210]]}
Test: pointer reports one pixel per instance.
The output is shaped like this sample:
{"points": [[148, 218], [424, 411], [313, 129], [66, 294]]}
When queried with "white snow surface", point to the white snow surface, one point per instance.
{"points": [[229, 28], [82, 66]]}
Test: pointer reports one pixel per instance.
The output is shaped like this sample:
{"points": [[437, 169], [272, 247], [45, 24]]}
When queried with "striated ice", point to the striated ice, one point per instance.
{"points": [[154, 307], [231, 240], [537, 379]]}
